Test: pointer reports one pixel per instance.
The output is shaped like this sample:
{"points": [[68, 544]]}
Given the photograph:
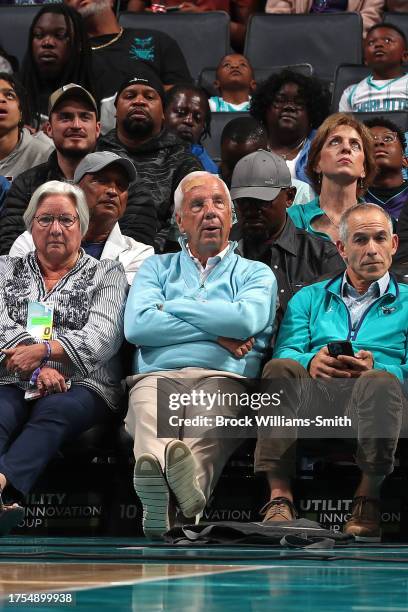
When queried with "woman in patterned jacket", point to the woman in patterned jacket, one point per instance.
{"points": [[61, 327]]}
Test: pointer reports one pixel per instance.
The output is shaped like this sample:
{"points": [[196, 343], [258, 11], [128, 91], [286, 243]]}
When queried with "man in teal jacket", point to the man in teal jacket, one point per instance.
{"points": [[201, 319], [368, 308]]}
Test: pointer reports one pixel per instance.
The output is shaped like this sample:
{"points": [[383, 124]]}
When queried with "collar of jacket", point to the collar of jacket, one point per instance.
{"points": [[183, 243], [334, 286], [286, 240]]}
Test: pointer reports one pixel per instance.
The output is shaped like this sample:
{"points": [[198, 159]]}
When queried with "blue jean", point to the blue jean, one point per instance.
{"points": [[32, 432]]}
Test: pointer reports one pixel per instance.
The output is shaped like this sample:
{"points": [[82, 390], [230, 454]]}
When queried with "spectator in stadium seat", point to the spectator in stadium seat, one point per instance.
{"points": [[80, 343], [386, 88], [388, 188], [370, 10], [340, 165], [19, 149], [203, 313], [58, 53], [160, 158], [244, 135], [291, 106], [235, 83], [188, 115], [118, 52], [363, 304], [262, 192], [74, 128], [104, 178]]}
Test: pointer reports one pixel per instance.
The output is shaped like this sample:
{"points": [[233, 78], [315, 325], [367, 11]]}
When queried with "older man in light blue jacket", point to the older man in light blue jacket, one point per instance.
{"points": [[204, 313]]}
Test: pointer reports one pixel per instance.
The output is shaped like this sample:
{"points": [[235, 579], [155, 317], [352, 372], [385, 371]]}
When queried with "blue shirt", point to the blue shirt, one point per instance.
{"points": [[356, 303]]}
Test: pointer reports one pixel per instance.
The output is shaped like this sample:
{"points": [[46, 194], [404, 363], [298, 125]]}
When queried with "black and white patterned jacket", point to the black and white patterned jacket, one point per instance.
{"points": [[89, 304]]}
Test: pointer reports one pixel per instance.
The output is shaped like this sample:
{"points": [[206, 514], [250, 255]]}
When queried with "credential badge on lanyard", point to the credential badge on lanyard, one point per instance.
{"points": [[39, 320]]}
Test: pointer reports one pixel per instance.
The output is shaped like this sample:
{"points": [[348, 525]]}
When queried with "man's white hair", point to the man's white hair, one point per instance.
{"points": [[361, 207], [179, 193]]}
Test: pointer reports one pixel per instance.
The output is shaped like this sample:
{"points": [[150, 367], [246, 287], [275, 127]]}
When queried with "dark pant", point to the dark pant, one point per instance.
{"points": [[375, 396], [32, 432]]}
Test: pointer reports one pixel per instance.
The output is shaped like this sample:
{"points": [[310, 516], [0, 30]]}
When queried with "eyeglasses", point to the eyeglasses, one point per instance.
{"points": [[386, 137], [64, 220], [281, 101]]}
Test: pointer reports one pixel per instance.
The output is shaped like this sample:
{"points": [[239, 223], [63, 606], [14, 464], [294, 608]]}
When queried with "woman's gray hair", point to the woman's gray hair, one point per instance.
{"points": [[179, 193], [361, 207], [50, 188]]}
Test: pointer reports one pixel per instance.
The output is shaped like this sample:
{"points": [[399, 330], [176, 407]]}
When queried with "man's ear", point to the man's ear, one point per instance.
{"points": [[48, 129], [98, 129], [179, 222], [340, 247], [290, 196], [404, 161]]}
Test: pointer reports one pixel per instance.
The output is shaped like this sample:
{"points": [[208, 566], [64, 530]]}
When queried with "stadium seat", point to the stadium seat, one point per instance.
{"points": [[15, 23], [218, 121], [203, 37], [207, 75], [398, 19], [324, 41], [348, 74]]}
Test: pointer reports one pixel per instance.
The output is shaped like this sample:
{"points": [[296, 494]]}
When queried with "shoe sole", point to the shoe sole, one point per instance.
{"points": [[152, 490], [370, 539], [182, 479]]}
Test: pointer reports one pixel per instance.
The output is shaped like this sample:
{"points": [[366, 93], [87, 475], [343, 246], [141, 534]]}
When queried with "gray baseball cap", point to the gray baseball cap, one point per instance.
{"points": [[260, 175], [93, 162]]}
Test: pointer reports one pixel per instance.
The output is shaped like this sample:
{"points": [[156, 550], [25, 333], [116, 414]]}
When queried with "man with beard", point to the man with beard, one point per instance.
{"points": [[74, 128], [262, 191], [118, 52], [160, 158]]}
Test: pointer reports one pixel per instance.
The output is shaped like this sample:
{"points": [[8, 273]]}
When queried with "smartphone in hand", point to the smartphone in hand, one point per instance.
{"points": [[340, 347]]}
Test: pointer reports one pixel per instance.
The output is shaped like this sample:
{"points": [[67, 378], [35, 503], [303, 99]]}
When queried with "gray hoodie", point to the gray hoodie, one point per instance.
{"points": [[30, 151]]}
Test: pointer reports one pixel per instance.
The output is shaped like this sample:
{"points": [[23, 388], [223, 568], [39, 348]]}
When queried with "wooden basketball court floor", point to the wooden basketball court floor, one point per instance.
{"points": [[106, 575]]}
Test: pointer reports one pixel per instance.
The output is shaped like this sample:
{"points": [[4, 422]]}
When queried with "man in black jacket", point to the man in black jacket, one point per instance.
{"points": [[161, 158], [74, 128], [261, 190]]}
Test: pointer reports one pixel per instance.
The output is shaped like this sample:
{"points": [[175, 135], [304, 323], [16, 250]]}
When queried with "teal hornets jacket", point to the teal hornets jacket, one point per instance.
{"points": [[317, 315], [175, 317]]}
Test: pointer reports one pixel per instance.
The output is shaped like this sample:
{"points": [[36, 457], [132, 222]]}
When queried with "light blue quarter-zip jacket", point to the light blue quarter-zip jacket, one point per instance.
{"points": [[175, 316]]}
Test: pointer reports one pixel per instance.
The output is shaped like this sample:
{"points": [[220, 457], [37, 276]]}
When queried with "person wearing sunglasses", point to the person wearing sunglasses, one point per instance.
{"points": [[61, 327]]}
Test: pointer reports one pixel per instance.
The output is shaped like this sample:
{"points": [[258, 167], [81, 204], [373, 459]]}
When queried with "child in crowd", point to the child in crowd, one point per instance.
{"points": [[235, 83], [386, 88], [388, 189]]}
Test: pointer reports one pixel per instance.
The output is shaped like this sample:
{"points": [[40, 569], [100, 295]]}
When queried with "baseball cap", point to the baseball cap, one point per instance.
{"points": [[260, 175], [144, 76], [93, 162], [72, 90]]}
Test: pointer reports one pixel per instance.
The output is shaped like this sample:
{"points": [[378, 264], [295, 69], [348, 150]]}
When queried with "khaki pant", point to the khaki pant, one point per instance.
{"points": [[374, 402], [211, 454]]}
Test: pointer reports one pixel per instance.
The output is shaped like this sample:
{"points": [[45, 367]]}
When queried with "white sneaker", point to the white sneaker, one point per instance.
{"points": [[180, 469], [151, 487]]}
